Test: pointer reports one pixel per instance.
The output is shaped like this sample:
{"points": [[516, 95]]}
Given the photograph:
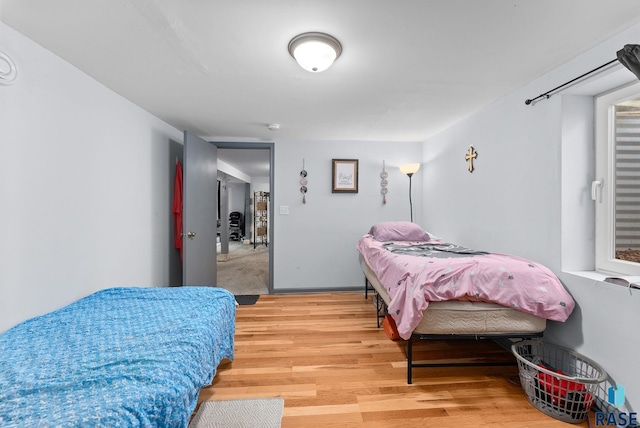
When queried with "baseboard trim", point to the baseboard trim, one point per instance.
{"points": [[316, 290]]}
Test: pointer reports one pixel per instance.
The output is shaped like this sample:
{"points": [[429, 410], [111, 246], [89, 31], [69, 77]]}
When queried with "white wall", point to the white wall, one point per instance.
{"points": [[315, 245], [259, 184], [236, 197], [529, 196], [85, 187]]}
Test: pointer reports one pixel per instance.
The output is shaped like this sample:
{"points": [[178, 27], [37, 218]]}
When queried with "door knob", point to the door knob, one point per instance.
{"points": [[189, 234]]}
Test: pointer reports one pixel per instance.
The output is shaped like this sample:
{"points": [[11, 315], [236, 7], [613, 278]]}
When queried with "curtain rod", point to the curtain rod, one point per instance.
{"points": [[547, 94]]}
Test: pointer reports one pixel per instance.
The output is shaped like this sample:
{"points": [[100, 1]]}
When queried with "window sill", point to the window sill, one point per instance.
{"points": [[601, 276]]}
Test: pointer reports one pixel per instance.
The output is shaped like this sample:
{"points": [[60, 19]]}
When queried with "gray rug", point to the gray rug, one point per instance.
{"points": [[247, 299], [249, 413]]}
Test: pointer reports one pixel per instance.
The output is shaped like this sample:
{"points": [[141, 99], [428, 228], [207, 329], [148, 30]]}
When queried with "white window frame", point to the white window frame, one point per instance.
{"points": [[602, 188]]}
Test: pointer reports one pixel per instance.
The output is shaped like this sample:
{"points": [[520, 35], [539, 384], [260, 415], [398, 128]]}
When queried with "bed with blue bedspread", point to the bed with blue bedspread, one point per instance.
{"points": [[120, 357]]}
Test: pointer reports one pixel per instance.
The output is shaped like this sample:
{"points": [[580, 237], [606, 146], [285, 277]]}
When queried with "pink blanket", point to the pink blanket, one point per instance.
{"points": [[416, 273]]}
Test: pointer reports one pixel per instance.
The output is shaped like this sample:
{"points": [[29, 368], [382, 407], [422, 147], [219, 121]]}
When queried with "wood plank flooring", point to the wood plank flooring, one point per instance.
{"points": [[334, 368]]}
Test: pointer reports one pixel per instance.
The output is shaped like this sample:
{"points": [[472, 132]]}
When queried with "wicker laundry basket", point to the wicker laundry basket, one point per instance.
{"points": [[557, 381]]}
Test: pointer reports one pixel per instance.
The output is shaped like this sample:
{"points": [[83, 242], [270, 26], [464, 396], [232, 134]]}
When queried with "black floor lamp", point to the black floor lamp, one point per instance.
{"points": [[409, 169]]}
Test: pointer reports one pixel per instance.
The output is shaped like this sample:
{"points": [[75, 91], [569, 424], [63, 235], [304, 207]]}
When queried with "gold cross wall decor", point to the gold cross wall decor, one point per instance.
{"points": [[470, 156]]}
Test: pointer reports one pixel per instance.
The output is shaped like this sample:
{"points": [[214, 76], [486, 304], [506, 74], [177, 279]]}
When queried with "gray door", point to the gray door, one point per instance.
{"points": [[200, 201]]}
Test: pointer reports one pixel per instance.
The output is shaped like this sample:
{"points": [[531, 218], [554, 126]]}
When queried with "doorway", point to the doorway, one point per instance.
{"points": [[244, 258]]}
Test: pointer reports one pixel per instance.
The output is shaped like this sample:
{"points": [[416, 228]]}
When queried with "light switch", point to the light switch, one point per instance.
{"points": [[284, 209]]}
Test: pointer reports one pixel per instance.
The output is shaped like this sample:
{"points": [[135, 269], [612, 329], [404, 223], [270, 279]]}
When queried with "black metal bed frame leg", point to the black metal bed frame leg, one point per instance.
{"points": [[366, 288], [410, 360], [380, 305]]}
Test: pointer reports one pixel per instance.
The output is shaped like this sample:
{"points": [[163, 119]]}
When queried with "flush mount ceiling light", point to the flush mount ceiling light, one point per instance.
{"points": [[315, 52]]}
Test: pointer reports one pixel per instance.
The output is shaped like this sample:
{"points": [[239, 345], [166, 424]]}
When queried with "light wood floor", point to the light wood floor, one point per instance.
{"points": [[324, 355]]}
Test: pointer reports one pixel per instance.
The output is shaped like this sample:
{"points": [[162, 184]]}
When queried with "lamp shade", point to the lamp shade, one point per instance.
{"points": [[409, 168], [315, 52]]}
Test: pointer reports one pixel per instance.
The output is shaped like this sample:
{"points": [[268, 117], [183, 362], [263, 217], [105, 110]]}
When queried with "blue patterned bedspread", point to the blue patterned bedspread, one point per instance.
{"points": [[121, 357]]}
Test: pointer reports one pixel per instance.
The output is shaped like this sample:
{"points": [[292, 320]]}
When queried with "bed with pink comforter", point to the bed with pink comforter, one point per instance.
{"points": [[418, 271]]}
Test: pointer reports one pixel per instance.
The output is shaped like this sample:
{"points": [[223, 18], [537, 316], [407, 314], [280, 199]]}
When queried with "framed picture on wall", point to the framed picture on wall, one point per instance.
{"points": [[344, 175]]}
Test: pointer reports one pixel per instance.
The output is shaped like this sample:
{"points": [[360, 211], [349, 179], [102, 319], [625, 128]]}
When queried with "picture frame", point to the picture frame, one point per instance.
{"points": [[344, 173]]}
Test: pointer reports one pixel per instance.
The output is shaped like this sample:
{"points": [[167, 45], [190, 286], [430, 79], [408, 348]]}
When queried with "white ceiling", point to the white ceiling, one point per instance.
{"points": [[252, 162], [408, 69]]}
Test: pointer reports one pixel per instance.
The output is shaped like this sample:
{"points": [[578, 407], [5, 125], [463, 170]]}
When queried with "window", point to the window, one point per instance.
{"points": [[616, 189]]}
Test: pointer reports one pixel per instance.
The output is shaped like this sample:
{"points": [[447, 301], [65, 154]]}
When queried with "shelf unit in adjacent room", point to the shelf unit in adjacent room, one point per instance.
{"points": [[261, 218]]}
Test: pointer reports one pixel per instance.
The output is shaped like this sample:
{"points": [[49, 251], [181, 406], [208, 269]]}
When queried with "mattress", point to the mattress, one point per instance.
{"points": [[119, 357], [466, 317]]}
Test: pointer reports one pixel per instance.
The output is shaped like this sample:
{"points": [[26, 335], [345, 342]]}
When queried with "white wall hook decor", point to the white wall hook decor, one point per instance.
{"points": [[303, 182], [383, 183], [8, 69]]}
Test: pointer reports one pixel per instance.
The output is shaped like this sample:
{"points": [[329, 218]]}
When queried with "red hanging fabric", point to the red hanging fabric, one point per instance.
{"points": [[177, 207]]}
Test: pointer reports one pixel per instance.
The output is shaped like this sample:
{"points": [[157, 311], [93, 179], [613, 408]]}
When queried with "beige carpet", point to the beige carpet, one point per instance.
{"points": [[246, 270], [245, 413]]}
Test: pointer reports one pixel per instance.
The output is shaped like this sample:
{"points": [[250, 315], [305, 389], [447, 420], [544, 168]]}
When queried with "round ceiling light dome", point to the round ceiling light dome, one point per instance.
{"points": [[315, 52]]}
